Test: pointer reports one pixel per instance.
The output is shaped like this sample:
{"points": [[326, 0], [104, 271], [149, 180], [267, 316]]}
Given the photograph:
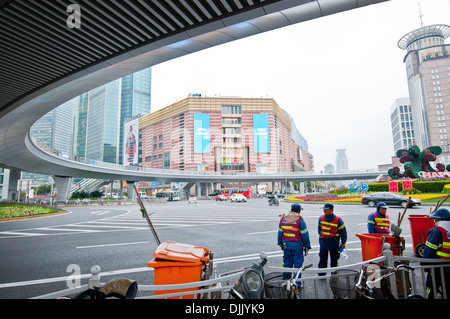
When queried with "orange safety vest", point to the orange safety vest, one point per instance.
{"points": [[291, 231], [329, 229], [382, 225], [444, 249]]}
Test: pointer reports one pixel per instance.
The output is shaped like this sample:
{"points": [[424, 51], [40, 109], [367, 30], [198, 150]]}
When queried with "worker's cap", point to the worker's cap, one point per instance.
{"points": [[328, 206], [441, 213], [382, 204], [296, 208]]}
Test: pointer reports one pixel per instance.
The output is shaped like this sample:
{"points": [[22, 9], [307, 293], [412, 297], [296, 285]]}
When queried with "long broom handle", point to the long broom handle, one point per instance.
{"points": [[439, 204], [145, 215], [404, 212]]}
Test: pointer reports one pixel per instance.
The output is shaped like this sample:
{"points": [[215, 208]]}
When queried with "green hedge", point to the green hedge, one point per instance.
{"points": [[424, 187]]}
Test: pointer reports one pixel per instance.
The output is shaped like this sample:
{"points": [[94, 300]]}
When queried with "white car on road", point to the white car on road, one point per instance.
{"points": [[238, 198]]}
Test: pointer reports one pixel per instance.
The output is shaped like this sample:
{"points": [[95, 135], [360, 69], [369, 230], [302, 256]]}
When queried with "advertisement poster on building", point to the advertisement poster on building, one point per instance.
{"points": [[201, 133], [261, 133], [131, 142]]}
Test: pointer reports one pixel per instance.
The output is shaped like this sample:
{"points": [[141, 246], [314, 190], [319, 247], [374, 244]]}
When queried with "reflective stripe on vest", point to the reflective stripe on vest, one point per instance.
{"points": [[382, 224], [444, 249], [329, 229], [291, 231]]}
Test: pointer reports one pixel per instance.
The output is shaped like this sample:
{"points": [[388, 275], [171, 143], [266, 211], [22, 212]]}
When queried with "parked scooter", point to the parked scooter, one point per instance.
{"points": [[273, 200], [252, 284]]}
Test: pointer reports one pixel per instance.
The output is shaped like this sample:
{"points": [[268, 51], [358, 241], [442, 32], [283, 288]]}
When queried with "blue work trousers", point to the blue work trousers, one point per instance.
{"points": [[323, 258], [292, 259]]}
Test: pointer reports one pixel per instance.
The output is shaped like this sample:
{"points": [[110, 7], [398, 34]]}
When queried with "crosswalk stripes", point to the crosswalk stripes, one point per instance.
{"points": [[130, 221]]}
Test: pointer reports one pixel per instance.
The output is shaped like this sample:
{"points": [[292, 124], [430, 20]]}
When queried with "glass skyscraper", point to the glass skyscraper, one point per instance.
{"points": [[54, 129], [80, 126], [102, 134], [100, 114], [135, 98]]}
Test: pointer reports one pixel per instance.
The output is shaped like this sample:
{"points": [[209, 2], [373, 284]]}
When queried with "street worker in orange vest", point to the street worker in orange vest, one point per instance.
{"points": [[332, 237], [438, 246], [293, 239], [378, 222]]}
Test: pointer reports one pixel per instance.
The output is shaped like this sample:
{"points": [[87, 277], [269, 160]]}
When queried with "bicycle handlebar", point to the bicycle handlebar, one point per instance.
{"points": [[371, 283]]}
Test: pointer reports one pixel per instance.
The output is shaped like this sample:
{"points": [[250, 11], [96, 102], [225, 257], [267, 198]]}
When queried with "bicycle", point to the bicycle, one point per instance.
{"points": [[292, 285], [379, 287]]}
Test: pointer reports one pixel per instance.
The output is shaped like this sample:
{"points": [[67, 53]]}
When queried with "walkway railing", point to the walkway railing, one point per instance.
{"points": [[96, 163]]}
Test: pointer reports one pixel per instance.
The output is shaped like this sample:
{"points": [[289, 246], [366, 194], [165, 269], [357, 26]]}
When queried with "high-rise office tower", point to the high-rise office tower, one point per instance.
{"points": [[100, 113], [402, 124], [80, 126], [341, 161], [428, 73], [102, 134], [54, 129], [135, 99]]}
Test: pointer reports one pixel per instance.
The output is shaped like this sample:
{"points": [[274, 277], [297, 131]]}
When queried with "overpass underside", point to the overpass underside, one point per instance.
{"points": [[48, 59]]}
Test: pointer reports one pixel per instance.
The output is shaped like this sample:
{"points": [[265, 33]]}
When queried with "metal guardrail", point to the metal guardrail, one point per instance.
{"points": [[314, 286]]}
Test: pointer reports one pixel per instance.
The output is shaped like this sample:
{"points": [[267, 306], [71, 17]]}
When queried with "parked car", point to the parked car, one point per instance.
{"points": [[391, 199], [220, 197], [238, 198]]}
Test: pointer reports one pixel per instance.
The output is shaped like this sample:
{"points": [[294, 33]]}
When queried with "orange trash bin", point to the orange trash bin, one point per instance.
{"points": [[420, 225], [372, 245], [176, 263]]}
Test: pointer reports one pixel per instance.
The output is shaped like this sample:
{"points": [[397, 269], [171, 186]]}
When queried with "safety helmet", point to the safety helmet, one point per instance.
{"points": [[441, 213], [381, 204], [296, 208]]}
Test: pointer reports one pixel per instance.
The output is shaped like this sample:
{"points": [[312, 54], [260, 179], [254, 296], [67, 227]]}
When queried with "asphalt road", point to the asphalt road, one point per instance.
{"points": [[39, 255]]}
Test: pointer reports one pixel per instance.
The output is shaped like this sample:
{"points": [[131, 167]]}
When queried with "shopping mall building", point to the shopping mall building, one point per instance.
{"points": [[223, 134]]}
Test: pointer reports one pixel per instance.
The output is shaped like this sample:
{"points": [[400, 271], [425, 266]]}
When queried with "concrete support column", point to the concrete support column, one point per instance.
{"points": [[301, 187], [14, 176], [63, 187], [198, 189], [131, 193]]}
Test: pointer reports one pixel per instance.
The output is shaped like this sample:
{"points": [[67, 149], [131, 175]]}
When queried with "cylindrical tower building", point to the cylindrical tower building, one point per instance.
{"points": [[428, 72]]}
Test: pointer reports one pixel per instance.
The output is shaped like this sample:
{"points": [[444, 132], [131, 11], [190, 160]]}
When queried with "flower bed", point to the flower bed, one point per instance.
{"points": [[14, 211], [352, 199], [426, 196], [325, 198]]}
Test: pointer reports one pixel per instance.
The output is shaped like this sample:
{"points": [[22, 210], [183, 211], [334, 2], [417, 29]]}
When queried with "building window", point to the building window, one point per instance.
{"points": [[231, 120], [167, 160], [231, 109]]}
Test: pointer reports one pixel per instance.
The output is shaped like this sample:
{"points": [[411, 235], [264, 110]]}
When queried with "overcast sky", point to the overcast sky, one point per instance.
{"points": [[338, 76]]}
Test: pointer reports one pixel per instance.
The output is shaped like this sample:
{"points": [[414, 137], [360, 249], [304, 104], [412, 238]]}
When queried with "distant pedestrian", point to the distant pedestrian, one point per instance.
{"points": [[332, 237]]}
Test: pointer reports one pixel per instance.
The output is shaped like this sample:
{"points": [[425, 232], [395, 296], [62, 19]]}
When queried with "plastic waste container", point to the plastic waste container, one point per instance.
{"points": [[176, 263], [372, 245], [420, 225]]}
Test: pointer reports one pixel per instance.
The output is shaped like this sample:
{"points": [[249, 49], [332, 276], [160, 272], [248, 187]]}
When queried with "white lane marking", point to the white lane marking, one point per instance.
{"points": [[111, 245], [102, 212]]}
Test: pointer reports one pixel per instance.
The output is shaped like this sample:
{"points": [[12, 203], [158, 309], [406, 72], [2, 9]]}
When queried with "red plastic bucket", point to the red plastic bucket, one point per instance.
{"points": [[372, 245], [420, 225]]}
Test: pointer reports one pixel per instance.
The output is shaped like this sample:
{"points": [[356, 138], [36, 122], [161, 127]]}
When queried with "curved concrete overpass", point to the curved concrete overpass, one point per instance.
{"points": [[45, 63], [134, 174]]}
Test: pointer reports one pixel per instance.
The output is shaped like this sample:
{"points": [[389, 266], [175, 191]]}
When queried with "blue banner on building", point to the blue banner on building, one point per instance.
{"points": [[261, 133], [201, 133]]}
